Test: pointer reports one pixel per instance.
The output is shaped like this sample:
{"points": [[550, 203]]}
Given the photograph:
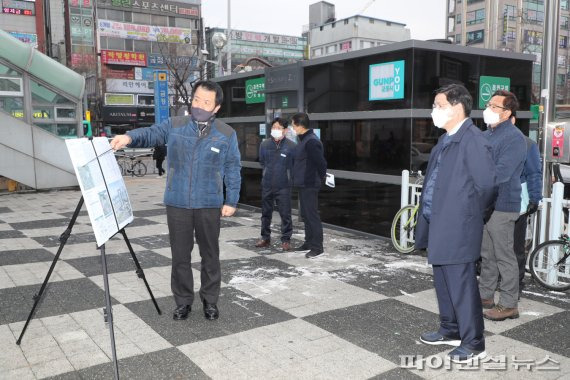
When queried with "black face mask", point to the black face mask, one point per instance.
{"points": [[200, 114]]}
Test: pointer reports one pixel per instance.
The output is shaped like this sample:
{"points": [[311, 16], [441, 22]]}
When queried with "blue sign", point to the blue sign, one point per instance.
{"points": [[161, 106], [386, 81]]}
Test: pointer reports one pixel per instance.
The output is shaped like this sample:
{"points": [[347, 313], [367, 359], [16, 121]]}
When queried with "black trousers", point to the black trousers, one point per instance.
{"points": [[159, 162], [518, 246], [309, 198], [182, 223], [283, 197], [460, 310]]}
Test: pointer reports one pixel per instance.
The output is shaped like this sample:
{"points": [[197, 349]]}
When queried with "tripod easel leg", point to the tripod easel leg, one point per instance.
{"points": [[139, 271], [108, 311], [62, 240]]}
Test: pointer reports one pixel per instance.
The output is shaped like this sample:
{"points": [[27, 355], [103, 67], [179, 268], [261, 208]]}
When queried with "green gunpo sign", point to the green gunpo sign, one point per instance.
{"points": [[488, 85], [254, 90]]}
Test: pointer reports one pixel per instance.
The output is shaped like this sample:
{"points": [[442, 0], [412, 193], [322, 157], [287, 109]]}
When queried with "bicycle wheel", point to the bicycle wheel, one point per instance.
{"points": [[139, 169], [403, 229], [550, 265]]}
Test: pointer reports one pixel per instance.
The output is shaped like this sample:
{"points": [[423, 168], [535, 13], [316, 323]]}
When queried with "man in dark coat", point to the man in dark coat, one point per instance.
{"points": [[276, 159], [458, 188]]}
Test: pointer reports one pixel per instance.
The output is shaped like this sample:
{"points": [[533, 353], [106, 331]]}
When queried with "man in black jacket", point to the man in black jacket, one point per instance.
{"points": [[309, 171], [276, 159]]}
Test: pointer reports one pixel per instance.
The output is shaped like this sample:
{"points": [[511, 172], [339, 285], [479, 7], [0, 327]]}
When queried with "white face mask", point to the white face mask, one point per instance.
{"points": [[440, 117], [490, 117], [276, 134]]}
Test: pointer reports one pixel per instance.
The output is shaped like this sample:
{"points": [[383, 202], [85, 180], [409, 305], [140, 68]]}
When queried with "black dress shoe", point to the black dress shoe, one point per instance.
{"points": [[313, 253], [181, 312], [303, 248], [211, 311]]}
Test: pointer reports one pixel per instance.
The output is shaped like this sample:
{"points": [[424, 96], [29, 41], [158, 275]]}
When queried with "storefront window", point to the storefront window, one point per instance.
{"points": [[12, 106]]}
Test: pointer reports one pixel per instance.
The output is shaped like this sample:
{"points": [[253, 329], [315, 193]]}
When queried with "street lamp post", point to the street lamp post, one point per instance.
{"points": [[219, 40]]}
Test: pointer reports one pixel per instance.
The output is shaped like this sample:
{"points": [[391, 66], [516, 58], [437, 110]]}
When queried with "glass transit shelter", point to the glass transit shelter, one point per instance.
{"points": [[371, 109]]}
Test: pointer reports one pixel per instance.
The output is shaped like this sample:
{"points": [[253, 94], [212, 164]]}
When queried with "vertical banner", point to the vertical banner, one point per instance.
{"points": [[386, 81], [161, 106]]}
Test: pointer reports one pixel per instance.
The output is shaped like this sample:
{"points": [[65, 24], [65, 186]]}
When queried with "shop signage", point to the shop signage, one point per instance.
{"points": [[119, 114], [488, 85], [119, 99], [29, 38], [165, 7], [161, 107], [145, 114], [254, 90], [386, 81], [130, 86], [16, 7], [158, 60], [114, 57], [107, 72], [239, 35], [144, 73], [124, 30], [80, 59]]}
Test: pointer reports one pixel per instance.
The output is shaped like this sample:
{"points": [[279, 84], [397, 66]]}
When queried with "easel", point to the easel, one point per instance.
{"points": [[107, 311]]}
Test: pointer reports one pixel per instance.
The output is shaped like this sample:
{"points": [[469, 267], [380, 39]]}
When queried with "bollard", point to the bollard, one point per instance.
{"points": [[404, 195], [555, 227]]}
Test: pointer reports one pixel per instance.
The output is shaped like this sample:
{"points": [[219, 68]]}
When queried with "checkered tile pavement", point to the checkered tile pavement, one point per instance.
{"points": [[352, 314]]}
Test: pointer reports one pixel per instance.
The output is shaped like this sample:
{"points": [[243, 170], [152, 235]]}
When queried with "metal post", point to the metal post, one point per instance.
{"points": [[548, 79], [555, 229], [405, 192], [229, 49]]}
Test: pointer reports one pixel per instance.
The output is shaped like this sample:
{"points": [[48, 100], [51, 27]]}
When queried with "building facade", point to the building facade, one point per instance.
{"points": [[274, 49], [24, 20], [371, 109], [327, 35], [512, 25]]}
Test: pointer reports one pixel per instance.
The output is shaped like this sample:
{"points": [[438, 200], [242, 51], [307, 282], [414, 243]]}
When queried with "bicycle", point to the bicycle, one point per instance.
{"points": [[549, 264], [135, 168], [404, 223]]}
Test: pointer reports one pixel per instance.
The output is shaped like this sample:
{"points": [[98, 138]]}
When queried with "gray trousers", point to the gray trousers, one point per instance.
{"points": [[498, 258]]}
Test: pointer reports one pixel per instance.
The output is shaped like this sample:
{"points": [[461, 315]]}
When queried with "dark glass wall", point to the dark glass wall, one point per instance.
{"points": [[372, 146], [342, 86], [234, 100]]}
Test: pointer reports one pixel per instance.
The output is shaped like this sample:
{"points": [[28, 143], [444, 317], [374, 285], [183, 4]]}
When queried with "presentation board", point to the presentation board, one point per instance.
{"points": [[102, 186]]}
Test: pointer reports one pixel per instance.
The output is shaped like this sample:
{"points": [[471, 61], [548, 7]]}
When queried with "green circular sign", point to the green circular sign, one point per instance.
{"points": [[486, 92]]}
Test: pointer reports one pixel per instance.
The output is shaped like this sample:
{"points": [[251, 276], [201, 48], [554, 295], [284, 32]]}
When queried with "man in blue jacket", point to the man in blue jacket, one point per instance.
{"points": [[276, 159], [531, 194], [203, 155], [458, 188], [309, 172], [497, 253]]}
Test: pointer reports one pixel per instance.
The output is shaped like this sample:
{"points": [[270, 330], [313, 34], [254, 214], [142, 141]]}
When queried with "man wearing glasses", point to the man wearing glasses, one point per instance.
{"points": [[459, 186], [497, 251]]}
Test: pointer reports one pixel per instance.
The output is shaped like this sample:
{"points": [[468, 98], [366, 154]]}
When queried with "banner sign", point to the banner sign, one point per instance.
{"points": [[130, 86], [115, 57], [79, 59], [166, 7], [144, 73], [119, 114], [386, 81], [161, 107], [125, 30], [29, 38], [488, 86], [107, 72], [239, 35], [17, 7], [254, 90]]}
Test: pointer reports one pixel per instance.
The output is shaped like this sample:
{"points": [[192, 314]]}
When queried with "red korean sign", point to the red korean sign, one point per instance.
{"points": [[114, 57]]}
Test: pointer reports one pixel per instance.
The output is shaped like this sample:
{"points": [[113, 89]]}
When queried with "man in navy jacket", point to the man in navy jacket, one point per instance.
{"points": [[458, 188], [203, 155], [276, 159], [497, 252]]}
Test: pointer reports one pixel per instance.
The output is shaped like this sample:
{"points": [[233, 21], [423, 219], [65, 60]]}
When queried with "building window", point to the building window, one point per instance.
{"points": [[129, 45], [11, 86], [564, 5], [564, 22], [159, 20], [475, 37], [183, 22], [331, 49], [115, 15], [128, 16], [458, 19], [533, 11], [317, 52], [458, 38], [563, 42], [532, 37], [474, 1], [510, 12], [451, 6], [115, 43], [475, 17], [141, 18], [142, 46], [450, 24]]}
